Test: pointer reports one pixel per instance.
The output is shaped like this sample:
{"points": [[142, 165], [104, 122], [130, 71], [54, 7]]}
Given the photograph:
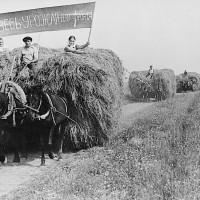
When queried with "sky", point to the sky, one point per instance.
{"points": [[162, 33]]}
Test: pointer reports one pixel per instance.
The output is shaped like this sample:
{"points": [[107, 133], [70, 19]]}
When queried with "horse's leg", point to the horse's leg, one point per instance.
{"points": [[16, 156], [3, 158], [51, 154], [62, 130], [51, 134], [146, 96], [24, 145], [42, 150]]}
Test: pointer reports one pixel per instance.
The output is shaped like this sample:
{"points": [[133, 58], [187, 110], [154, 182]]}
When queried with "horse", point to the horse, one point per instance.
{"points": [[146, 91], [49, 112], [12, 132]]}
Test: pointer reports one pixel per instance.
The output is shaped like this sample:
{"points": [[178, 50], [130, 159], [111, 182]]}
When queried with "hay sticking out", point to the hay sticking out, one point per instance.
{"points": [[163, 81], [23, 77], [92, 84], [189, 82], [5, 64]]}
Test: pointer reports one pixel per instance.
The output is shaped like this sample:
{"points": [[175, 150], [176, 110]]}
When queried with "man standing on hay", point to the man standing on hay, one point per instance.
{"points": [[150, 72], [185, 73], [28, 57]]}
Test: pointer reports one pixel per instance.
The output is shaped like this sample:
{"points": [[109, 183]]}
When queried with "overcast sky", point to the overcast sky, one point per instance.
{"points": [[162, 33]]}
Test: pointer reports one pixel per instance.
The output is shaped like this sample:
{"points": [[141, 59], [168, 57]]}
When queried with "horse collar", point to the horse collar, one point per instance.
{"points": [[50, 101]]}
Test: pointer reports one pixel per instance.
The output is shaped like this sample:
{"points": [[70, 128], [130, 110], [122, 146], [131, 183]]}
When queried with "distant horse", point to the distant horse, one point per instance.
{"points": [[50, 113], [12, 132], [146, 91]]}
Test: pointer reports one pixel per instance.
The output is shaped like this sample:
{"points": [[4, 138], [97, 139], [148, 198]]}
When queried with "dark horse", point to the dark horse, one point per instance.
{"points": [[12, 132], [49, 113]]}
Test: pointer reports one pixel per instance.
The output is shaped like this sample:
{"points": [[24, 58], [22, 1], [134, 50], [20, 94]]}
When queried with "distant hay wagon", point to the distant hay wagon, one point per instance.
{"points": [[189, 82], [161, 86]]}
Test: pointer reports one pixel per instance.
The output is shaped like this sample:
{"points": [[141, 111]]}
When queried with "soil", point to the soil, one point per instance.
{"points": [[14, 175]]}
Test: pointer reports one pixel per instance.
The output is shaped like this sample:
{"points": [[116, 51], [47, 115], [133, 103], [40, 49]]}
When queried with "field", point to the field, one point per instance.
{"points": [[154, 154]]}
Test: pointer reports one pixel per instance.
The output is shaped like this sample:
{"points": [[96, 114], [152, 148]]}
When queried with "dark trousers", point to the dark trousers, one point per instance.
{"points": [[31, 69]]}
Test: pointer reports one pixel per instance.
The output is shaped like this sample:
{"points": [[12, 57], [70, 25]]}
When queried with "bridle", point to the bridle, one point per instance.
{"points": [[51, 110], [40, 103], [36, 110]]}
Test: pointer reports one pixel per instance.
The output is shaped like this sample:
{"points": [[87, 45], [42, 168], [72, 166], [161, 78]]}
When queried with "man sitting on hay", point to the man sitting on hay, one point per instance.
{"points": [[150, 72]]}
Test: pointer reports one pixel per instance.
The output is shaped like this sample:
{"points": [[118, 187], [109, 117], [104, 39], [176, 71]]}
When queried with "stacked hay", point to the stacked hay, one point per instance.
{"points": [[189, 82], [92, 84], [6, 61], [5, 65], [164, 80]]}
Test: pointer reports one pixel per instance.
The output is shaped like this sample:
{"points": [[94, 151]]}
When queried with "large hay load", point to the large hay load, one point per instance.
{"points": [[92, 84], [162, 83], [189, 82]]}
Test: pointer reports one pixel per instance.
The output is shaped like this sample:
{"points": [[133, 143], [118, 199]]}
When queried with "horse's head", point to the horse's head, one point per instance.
{"points": [[34, 100], [3, 103], [37, 102]]}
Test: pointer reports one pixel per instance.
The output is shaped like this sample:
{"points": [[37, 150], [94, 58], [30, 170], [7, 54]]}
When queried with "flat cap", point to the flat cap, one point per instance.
{"points": [[27, 38]]}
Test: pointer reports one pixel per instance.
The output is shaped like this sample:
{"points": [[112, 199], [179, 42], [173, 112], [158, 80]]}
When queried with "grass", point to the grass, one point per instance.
{"points": [[157, 157]]}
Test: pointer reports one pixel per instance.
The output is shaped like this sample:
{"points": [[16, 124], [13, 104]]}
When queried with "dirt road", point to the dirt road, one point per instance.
{"points": [[12, 176]]}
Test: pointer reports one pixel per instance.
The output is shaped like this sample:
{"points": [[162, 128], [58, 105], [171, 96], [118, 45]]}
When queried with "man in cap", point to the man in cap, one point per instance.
{"points": [[150, 72], [28, 57]]}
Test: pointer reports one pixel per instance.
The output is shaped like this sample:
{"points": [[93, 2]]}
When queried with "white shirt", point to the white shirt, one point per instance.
{"points": [[28, 54], [151, 71]]}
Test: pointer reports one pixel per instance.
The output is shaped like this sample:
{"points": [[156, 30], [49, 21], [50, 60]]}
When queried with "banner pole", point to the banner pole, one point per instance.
{"points": [[89, 33], [38, 41], [91, 24]]}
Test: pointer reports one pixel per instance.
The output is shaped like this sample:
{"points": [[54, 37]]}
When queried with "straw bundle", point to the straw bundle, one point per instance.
{"points": [[5, 64], [163, 81], [92, 84], [189, 82]]}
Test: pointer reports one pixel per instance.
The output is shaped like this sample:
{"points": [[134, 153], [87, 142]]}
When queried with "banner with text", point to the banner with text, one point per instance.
{"points": [[74, 16]]}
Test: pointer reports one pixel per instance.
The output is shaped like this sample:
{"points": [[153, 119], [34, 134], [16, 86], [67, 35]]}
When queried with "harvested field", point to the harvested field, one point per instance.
{"points": [[17, 180], [163, 83], [155, 157]]}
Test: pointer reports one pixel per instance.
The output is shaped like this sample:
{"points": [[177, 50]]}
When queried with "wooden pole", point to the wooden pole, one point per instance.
{"points": [[38, 41], [91, 25]]}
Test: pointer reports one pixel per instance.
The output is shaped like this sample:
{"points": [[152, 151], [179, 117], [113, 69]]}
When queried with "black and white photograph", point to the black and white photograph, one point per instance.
{"points": [[100, 100]]}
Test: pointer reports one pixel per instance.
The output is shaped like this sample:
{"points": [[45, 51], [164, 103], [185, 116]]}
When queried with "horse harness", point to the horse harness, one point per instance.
{"points": [[13, 110], [52, 110]]}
